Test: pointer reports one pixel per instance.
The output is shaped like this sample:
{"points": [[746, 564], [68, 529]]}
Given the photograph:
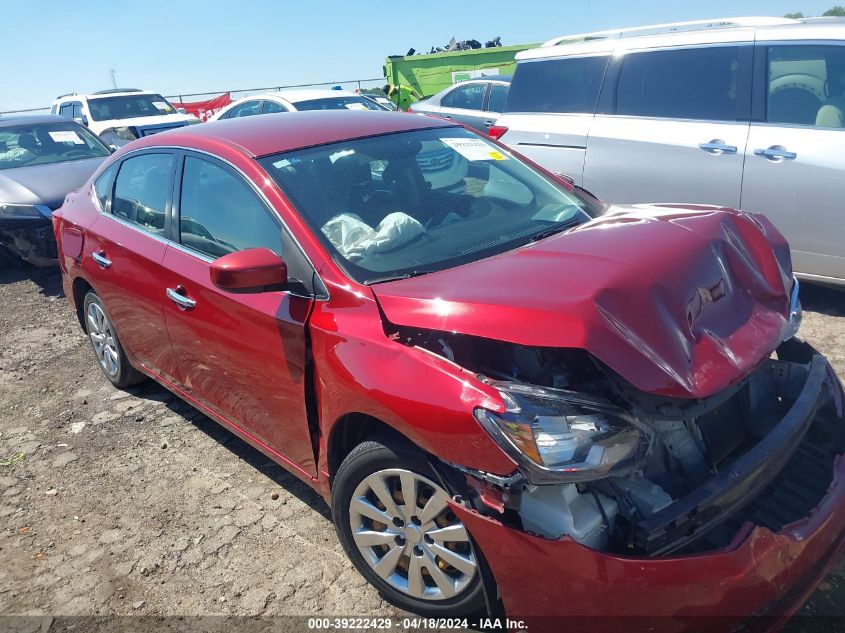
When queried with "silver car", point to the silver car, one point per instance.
{"points": [[475, 102], [42, 159], [740, 112]]}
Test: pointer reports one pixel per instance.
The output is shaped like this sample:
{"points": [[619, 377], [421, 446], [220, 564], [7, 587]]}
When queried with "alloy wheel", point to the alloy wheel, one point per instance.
{"points": [[406, 532], [102, 339]]}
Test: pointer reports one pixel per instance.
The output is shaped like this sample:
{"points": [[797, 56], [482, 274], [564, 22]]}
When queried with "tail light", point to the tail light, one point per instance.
{"points": [[497, 131], [409, 111]]}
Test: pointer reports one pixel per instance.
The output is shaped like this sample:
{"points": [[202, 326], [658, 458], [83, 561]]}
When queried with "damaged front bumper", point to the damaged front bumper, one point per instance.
{"points": [[782, 503], [30, 239]]}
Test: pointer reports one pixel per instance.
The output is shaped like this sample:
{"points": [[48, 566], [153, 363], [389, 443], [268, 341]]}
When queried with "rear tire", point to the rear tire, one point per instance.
{"points": [[416, 553], [106, 345]]}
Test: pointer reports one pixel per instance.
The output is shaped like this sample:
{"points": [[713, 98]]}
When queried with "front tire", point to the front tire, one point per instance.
{"points": [[392, 518], [106, 345]]}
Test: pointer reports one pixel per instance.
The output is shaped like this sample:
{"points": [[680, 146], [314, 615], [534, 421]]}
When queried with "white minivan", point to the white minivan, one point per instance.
{"points": [[739, 112]]}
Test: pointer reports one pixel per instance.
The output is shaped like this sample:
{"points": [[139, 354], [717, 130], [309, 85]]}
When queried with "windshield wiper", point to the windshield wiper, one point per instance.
{"points": [[408, 275], [560, 228]]}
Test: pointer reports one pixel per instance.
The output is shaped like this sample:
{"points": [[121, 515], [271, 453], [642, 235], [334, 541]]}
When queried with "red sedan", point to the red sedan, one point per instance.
{"points": [[511, 395]]}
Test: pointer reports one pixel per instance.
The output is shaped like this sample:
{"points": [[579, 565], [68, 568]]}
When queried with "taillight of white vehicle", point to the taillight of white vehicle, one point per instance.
{"points": [[497, 131]]}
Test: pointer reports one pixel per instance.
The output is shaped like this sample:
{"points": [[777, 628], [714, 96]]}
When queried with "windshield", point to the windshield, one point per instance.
{"points": [[338, 103], [45, 143], [414, 202], [129, 106]]}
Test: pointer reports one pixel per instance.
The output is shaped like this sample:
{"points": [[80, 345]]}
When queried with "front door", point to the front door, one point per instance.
{"points": [[795, 161], [465, 104], [242, 355], [676, 129]]}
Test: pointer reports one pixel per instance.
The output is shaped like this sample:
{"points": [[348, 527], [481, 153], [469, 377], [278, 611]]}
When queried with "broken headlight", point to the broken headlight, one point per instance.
{"points": [[566, 436]]}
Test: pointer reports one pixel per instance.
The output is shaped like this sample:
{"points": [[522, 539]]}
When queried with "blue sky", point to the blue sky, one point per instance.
{"points": [[188, 46]]}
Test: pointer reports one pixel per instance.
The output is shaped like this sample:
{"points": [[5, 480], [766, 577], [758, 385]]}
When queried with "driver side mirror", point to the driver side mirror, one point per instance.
{"points": [[250, 270]]}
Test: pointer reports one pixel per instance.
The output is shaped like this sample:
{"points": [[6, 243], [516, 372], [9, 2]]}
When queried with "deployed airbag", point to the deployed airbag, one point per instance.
{"points": [[354, 238]]}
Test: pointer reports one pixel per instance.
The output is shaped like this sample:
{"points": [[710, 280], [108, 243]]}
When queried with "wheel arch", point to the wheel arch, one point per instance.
{"points": [[80, 288]]}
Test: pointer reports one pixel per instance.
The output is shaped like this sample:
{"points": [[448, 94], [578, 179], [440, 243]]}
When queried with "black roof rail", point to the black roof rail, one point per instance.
{"points": [[114, 90], [69, 94]]}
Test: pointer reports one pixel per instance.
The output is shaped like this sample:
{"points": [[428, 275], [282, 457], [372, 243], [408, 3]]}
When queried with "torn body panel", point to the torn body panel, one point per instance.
{"points": [[711, 296]]}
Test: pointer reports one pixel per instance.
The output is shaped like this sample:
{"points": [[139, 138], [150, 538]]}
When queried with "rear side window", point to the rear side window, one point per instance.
{"points": [[498, 96], [142, 190], [557, 85], [695, 83], [248, 108], [806, 85], [219, 213], [468, 97], [271, 107]]}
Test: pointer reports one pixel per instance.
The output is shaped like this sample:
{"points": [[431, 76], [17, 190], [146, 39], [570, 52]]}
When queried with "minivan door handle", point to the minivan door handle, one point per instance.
{"points": [[717, 146], [177, 295], [101, 259], [776, 153]]}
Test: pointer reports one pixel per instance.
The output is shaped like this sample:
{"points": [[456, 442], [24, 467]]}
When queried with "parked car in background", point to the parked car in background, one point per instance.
{"points": [[475, 102], [738, 112], [42, 158], [485, 380], [382, 100], [294, 100], [121, 115]]}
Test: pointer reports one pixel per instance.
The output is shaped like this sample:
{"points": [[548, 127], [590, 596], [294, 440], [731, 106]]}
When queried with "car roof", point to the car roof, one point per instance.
{"points": [[271, 134], [295, 95], [722, 30], [34, 119], [103, 94]]}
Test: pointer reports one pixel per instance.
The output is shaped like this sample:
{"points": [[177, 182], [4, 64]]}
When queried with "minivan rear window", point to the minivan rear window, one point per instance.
{"points": [[569, 85], [694, 83]]}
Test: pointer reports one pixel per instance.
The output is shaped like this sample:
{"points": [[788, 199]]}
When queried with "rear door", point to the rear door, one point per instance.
{"points": [[124, 251], [550, 109], [465, 104], [795, 161], [673, 126], [242, 355]]}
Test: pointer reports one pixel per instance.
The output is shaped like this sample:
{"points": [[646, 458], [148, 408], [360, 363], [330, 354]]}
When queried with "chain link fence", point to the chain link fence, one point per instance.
{"points": [[349, 84]]}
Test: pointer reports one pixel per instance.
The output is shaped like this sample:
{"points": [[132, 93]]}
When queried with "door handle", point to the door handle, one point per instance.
{"points": [[717, 146], [177, 296], [101, 259], [776, 152]]}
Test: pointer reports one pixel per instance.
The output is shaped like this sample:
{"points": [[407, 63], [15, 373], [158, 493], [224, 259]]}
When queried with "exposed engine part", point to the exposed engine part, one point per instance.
{"points": [[552, 511], [713, 463]]}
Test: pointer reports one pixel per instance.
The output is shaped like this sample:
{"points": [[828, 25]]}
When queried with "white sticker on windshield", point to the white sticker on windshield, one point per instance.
{"points": [[66, 136], [355, 106], [161, 105], [474, 149]]}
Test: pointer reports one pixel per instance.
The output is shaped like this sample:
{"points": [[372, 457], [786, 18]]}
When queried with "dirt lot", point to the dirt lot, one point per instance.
{"points": [[134, 503]]}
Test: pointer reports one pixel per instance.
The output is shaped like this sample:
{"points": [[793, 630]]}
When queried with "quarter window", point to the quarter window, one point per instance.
{"points": [[220, 213], [695, 83], [142, 190], [806, 85], [569, 85], [468, 97], [103, 186]]}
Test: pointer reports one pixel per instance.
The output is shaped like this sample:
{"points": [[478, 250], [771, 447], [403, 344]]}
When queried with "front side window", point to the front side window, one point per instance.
{"points": [[66, 110], [695, 83], [129, 106], [569, 85], [468, 97], [219, 213], [339, 103], [420, 201], [77, 111], [142, 189], [806, 85], [44, 143]]}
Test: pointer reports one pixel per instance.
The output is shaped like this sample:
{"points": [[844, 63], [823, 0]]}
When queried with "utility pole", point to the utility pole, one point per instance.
{"points": [[113, 73]]}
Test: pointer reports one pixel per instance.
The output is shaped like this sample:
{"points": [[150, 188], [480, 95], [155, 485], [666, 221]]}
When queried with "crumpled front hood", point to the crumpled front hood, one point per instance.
{"points": [[679, 300], [45, 184]]}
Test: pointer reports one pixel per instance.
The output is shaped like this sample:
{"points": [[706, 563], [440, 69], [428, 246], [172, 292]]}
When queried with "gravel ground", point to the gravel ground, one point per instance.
{"points": [[133, 503]]}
